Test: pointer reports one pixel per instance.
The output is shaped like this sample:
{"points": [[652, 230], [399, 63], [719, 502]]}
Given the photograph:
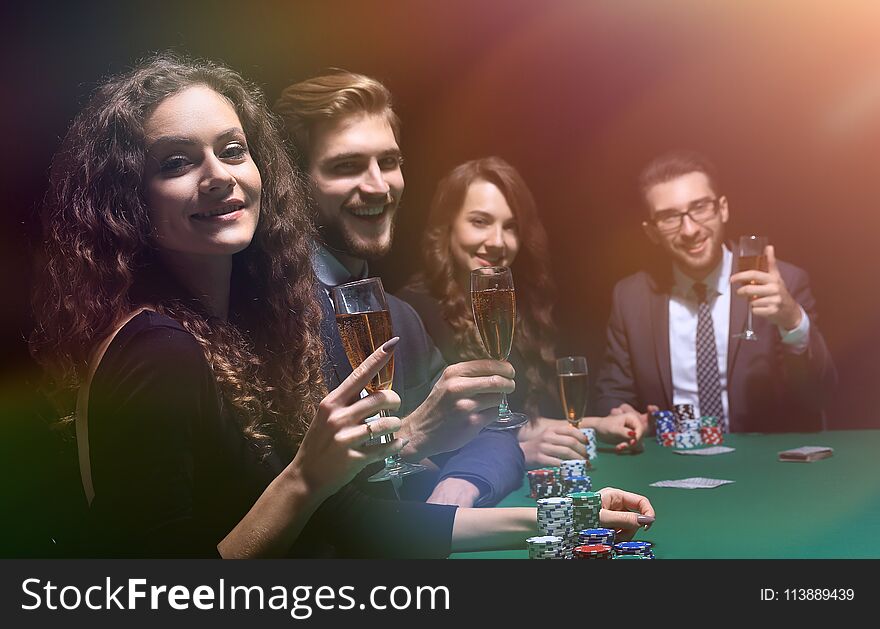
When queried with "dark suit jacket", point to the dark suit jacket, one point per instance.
{"points": [[493, 461], [768, 388]]}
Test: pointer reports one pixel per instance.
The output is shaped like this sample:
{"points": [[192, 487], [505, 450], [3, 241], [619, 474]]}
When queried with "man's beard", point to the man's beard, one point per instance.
{"points": [[335, 237], [713, 255]]}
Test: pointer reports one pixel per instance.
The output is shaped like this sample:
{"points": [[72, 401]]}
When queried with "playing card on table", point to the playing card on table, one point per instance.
{"points": [[806, 454], [692, 483], [707, 451]]}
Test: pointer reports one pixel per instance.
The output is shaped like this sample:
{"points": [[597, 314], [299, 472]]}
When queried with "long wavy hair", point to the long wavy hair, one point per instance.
{"points": [[98, 252], [535, 291]]}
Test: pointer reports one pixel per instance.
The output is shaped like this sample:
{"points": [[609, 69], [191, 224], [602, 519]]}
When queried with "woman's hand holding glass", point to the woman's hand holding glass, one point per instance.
{"points": [[547, 442], [333, 451]]}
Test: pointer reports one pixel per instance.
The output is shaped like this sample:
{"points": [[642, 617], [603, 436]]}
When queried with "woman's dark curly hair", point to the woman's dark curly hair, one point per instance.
{"points": [[535, 291], [98, 249]]}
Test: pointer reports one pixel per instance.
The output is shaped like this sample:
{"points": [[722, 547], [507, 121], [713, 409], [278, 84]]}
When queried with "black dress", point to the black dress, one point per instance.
{"points": [[173, 472]]}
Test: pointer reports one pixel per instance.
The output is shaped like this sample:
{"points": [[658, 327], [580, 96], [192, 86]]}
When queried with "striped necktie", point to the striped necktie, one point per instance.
{"points": [[708, 378]]}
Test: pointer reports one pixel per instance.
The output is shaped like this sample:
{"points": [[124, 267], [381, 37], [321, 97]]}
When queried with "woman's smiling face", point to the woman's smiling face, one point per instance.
{"points": [[484, 233], [201, 185]]}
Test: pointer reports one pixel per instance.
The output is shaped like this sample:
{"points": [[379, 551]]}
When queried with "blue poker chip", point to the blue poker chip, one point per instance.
{"points": [[597, 532]]}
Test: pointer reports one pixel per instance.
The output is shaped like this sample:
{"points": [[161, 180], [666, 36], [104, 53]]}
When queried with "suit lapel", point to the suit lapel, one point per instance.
{"points": [[659, 317]]}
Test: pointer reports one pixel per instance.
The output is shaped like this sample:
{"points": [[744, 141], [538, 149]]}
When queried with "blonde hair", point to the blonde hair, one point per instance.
{"points": [[330, 96]]}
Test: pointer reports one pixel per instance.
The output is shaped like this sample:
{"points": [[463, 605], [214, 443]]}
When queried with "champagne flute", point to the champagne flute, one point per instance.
{"points": [[494, 305], [573, 385], [751, 258], [365, 324]]}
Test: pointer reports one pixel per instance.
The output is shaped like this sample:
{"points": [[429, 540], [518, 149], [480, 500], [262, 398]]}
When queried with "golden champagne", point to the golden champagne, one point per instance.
{"points": [[573, 391], [495, 314], [362, 333], [752, 263]]}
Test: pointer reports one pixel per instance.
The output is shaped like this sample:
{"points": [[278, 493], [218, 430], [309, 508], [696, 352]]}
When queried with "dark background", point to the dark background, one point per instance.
{"points": [[784, 96]]}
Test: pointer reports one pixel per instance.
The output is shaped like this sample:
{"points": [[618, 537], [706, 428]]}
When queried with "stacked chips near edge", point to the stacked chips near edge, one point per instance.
{"points": [[664, 422], [689, 434], [585, 507], [573, 467], [576, 484], [590, 433], [591, 537], [687, 440], [546, 547], [544, 482], [684, 411], [537, 480], [642, 549], [556, 517], [711, 431], [592, 551]]}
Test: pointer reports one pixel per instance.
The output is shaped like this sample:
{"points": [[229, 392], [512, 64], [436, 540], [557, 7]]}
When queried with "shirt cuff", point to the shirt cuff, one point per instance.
{"points": [[486, 495], [796, 340]]}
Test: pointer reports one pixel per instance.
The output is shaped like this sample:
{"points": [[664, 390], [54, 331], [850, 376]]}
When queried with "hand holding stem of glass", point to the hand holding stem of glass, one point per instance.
{"points": [[573, 386]]}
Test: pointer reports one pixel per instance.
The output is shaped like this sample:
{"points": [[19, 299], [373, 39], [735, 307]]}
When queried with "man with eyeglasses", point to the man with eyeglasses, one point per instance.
{"points": [[671, 338]]}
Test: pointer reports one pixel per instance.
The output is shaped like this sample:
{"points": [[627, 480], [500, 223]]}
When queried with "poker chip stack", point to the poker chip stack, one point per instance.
{"points": [[573, 467], [585, 509], [689, 435], [596, 551], [556, 517], [547, 547], [591, 442], [711, 431], [544, 483], [687, 440], [575, 484], [664, 422], [640, 549], [591, 537], [684, 411]]}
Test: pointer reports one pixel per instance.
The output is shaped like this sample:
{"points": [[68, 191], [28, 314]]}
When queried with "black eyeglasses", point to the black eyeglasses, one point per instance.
{"points": [[699, 211]]}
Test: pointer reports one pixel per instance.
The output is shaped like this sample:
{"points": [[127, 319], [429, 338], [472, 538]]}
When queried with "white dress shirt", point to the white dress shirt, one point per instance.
{"points": [[683, 331]]}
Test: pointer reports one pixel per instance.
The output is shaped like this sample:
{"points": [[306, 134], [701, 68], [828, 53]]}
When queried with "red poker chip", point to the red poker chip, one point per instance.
{"points": [[592, 549]]}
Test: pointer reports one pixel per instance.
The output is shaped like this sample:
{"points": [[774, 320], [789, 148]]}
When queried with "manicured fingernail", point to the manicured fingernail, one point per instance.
{"points": [[632, 433], [645, 519], [388, 345]]}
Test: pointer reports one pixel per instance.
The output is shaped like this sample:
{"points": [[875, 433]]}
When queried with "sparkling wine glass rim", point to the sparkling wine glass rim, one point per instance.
{"points": [[490, 270], [366, 280]]}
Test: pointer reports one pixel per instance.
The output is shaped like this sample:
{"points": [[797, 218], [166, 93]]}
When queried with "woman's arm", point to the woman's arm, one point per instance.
{"points": [[493, 529], [507, 528]]}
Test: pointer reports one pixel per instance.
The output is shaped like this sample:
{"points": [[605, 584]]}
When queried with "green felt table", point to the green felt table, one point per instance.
{"points": [[825, 509]]}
